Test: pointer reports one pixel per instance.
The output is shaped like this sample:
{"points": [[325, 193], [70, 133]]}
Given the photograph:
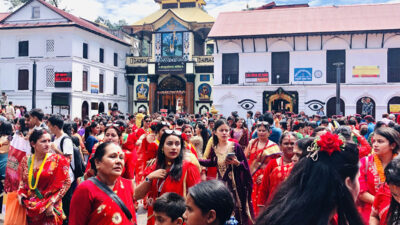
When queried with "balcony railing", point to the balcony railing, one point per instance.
{"points": [[204, 60], [137, 61]]}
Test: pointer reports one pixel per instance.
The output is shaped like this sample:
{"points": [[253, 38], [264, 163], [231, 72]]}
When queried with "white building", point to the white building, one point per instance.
{"points": [[283, 59], [64, 48]]}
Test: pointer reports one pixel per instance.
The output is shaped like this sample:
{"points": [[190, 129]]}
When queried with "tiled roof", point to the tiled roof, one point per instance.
{"points": [[3, 15], [373, 17], [73, 20]]}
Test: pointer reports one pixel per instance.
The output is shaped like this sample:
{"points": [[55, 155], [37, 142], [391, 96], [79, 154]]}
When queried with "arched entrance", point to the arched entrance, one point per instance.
{"points": [[101, 107], [394, 105], [363, 105], [331, 107], [115, 106], [171, 94], [85, 110], [281, 101]]}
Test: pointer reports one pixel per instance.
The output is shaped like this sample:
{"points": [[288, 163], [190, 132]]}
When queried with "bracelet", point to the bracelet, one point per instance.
{"points": [[148, 180]]}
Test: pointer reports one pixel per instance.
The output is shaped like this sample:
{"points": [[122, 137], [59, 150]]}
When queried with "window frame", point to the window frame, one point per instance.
{"points": [[101, 83], [35, 14], [392, 65], [115, 92], [23, 86], [115, 59], [85, 87], [101, 55], [331, 74], [21, 47], [229, 75], [284, 75], [85, 50]]}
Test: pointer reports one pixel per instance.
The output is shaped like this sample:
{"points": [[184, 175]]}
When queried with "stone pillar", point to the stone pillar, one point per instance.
{"points": [[131, 79], [190, 93], [153, 93]]}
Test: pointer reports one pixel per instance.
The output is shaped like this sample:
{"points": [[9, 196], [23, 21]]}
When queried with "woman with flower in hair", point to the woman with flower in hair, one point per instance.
{"points": [[321, 188], [277, 170], [385, 146]]}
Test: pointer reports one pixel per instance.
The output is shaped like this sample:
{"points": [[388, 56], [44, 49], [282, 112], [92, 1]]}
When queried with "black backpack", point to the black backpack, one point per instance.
{"points": [[78, 160]]}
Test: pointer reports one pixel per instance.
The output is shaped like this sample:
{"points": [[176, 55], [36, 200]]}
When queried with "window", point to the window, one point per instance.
{"points": [[115, 59], [84, 81], [280, 68], [23, 79], [50, 77], [35, 12], [188, 4], [115, 84], [101, 83], [230, 68], [101, 55], [332, 57], [170, 6], [393, 65], [23, 48], [85, 51], [50, 46]]}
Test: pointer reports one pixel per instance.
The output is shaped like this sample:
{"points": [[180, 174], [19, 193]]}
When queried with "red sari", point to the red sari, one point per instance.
{"points": [[91, 206], [190, 177], [274, 174], [382, 203], [54, 182], [146, 152], [369, 182], [258, 160]]}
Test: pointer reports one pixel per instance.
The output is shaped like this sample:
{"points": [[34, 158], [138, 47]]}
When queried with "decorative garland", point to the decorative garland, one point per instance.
{"points": [[379, 168], [30, 174]]}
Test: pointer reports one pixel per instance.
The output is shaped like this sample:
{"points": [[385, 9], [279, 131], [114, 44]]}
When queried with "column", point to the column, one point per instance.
{"points": [[190, 93], [131, 79], [153, 93]]}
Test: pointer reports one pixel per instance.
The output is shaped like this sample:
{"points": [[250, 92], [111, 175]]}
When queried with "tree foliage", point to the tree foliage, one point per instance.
{"points": [[17, 3], [113, 26]]}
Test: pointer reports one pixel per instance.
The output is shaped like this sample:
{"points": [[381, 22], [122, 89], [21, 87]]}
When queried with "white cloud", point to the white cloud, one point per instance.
{"points": [[4, 6], [88, 9]]}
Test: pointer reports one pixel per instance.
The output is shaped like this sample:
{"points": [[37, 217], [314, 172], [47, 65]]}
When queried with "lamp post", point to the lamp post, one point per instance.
{"points": [[277, 78], [338, 67], [34, 84]]}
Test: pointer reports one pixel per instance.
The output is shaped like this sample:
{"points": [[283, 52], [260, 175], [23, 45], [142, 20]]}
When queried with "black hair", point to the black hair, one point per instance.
{"points": [[36, 135], [23, 129], [344, 131], [352, 122], [267, 126], [298, 125], [315, 189], [318, 129], [57, 121], [38, 113], [176, 169], [244, 124], [100, 152], [391, 135], [67, 128], [324, 121], [392, 174], [219, 123], [85, 121], [379, 124], [213, 195], [268, 117], [74, 127], [250, 113], [303, 144], [88, 130], [144, 118], [6, 129], [203, 134], [285, 135], [283, 124], [131, 117], [119, 133], [159, 126], [172, 204], [180, 122]]}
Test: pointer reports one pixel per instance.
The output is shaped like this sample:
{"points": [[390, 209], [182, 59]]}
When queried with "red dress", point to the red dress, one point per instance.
{"points": [[274, 174], [146, 152], [54, 182], [91, 206], [382, 203], [369, 182], [258, 160], [190, 177]]}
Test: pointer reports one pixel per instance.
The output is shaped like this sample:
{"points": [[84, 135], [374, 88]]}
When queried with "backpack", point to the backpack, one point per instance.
{"points": [[78, 160]]}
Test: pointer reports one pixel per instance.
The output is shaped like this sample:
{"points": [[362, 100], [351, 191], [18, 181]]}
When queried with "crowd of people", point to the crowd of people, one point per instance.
{"points": [[266, 169]]}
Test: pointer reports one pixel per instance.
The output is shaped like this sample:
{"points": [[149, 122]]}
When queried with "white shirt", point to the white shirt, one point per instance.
{"points": [[67, 149]]}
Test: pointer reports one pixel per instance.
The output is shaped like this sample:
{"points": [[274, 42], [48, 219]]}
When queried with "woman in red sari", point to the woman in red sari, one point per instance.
{"points": [[385, 147], [44, 180], [259, 152], [170, 173], [277, 170], [90, 205]]}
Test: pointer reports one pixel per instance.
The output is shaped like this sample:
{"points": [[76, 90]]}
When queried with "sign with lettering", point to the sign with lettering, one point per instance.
{"points": [[171, 67], [94, 88], [63, 79], [366, 71], [257, 77], [303, 74]]}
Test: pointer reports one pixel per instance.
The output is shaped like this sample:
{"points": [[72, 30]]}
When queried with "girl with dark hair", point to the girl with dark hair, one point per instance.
{"points": [[240, 132], [90, 137], [202, 132], [386, 207], [321, 188], [300, 148], [20, 126], [259, 152], [386, 144], [90, 205], [170, 173], [277, 170], [232, 168], [208, 203], [6, 130], [44, 180], [102, 129], [145, 127]]}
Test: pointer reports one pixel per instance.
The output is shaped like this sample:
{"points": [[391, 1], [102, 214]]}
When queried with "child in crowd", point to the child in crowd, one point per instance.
{"points": [[169, 209]]}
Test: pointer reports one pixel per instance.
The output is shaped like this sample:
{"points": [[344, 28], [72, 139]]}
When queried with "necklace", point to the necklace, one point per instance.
{"points": [[379, 168], [30, 173]]}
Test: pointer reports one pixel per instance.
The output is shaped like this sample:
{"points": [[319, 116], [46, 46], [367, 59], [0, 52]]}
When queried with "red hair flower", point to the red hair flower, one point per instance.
{"points": [[329, 143]]}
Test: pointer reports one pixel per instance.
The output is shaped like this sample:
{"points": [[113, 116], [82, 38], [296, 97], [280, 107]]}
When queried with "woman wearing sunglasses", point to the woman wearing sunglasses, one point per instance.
{"points": [[170, 173]]}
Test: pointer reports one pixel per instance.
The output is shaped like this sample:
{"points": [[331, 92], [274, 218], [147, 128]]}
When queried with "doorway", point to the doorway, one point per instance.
{"points": [[331, 107], [171, 94], [101, 107], [85, 110]]}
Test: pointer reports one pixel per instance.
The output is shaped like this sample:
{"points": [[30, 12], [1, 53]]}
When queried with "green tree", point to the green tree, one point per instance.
{"points": [[113, 26], [17, 3]]}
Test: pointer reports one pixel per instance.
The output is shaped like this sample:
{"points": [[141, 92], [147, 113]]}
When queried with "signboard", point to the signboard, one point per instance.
{"points": [[171, 67], [366, 71], [262, 77], [60, 99], [394, 108], [164, 112], [63, 79], [94, 88], [303, 74]]}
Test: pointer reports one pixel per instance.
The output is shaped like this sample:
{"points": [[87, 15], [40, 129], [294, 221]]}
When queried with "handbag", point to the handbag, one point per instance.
{"points": [[112, 195], [15, 213]]}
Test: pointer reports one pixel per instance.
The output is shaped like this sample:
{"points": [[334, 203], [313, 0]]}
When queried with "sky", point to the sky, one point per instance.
{"points": [[133, 10]]}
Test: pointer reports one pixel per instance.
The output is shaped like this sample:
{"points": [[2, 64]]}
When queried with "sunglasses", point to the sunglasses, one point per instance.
{"points": [[147, 121], [176, 132], [112, 125]]}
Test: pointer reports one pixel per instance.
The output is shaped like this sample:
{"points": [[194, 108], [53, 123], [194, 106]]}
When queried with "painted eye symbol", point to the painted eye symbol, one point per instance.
{"points": [[247, 104], [315, 105]]}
